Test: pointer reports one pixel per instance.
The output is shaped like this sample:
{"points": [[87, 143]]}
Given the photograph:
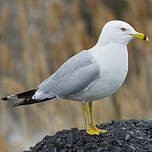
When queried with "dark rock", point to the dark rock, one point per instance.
{"points": [[122, 136]]}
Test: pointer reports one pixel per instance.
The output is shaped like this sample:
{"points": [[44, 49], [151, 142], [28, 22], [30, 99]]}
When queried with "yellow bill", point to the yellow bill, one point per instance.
{"points": [[140, 36]]}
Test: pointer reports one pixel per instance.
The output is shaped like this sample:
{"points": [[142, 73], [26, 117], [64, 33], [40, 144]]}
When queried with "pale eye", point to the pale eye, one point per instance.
{"points": [[123, 29]]}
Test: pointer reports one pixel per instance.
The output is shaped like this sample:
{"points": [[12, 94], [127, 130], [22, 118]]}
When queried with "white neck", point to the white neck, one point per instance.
{"points": [[111, 54]]}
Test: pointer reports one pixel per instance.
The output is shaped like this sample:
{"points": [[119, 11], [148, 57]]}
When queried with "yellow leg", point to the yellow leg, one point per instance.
{"points": [[84, 109], [91, 113], [92, 128]]}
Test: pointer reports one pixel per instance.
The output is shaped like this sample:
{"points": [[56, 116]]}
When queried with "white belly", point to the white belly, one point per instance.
{"points": [[105, 86], [113, 71]]}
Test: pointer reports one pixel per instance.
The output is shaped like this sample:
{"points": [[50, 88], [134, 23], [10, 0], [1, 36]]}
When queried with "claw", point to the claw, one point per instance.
{"points": [[93, 130]]}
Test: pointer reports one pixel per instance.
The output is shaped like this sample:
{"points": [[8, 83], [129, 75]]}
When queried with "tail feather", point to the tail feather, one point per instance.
{"points": [[12, 97], [27, 97], [28, 101], [21, 95]]}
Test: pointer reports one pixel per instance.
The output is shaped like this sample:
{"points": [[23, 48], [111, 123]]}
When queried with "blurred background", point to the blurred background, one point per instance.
{"points": [[37, 36]]}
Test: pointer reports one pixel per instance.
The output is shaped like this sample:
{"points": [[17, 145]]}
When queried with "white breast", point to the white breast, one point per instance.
{"points": [[113, 70]]}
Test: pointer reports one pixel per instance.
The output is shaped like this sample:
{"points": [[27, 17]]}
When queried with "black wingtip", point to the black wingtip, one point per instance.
{"points": [[4, 98]]}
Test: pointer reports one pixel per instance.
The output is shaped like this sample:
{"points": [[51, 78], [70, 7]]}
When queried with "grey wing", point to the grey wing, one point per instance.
{"points": [[72, 77]]}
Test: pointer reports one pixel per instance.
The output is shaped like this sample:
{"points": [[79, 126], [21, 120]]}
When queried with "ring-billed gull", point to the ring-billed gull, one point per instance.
{"points": [[91, 74]]}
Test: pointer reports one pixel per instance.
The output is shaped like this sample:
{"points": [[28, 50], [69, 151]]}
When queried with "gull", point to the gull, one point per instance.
{"points": [[89, 75]]}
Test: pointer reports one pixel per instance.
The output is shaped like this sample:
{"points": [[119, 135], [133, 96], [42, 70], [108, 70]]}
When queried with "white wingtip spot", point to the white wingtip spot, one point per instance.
{"points": [[12, 97]]}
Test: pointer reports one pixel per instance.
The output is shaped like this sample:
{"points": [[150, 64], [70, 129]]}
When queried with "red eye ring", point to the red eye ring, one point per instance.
{"points": [[123, 29]]}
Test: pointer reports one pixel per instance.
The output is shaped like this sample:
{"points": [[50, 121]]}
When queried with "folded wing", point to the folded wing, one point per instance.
{"points": [[72, 77]]}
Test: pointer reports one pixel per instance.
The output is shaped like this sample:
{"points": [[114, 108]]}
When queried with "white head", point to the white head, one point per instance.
{"points": [[119, 32]]}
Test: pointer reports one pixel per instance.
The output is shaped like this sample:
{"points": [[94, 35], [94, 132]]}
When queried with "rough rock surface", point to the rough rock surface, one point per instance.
{"points": [[122, 136]]}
